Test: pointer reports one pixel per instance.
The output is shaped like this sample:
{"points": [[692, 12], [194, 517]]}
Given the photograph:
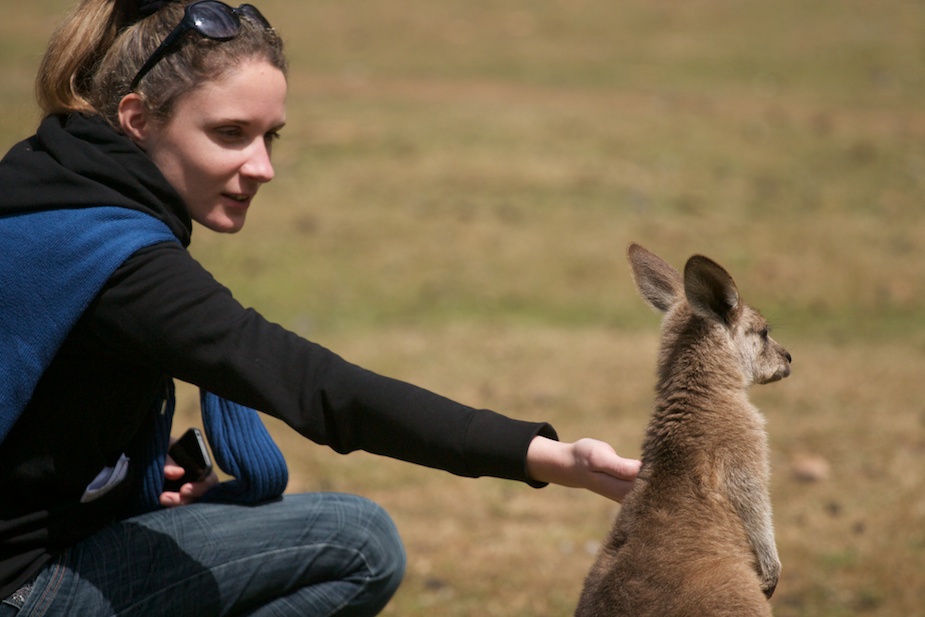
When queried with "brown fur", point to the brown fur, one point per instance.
{"points": [[694, 537]]}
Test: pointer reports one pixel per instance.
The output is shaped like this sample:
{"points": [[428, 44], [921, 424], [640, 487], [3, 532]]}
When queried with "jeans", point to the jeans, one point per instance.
{"points": [[307, 555]]}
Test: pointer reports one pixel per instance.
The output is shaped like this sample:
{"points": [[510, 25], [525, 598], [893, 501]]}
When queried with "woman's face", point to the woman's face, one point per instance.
{"points": [[215, 149]]}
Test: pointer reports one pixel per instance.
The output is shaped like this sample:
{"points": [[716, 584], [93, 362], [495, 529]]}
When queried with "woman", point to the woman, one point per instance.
{"points": [[157, 114]]}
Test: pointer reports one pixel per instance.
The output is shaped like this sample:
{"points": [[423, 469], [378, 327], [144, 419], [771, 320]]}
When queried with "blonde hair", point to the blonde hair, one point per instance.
{"points": [[95, 52]]}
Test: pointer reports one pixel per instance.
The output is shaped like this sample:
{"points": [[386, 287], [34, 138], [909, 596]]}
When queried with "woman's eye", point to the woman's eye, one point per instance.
{"points": [[229, 132]]}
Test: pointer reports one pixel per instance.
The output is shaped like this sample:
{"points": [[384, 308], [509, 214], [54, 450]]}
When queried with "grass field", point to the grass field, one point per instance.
{"points": [[455, 190]]}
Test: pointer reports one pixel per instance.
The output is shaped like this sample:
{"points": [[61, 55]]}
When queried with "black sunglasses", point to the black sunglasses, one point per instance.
{"points": [[211, 19]]}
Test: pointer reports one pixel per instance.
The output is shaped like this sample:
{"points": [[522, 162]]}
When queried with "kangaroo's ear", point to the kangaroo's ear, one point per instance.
{"points": [[710, 290], [658, 283]]}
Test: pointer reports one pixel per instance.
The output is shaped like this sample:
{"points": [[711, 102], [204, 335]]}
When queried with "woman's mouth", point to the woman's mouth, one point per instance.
{"points": [[238, 199]]}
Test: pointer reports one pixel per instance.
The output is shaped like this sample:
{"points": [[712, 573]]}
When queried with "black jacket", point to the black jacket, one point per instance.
{"points": [[162, 316]]}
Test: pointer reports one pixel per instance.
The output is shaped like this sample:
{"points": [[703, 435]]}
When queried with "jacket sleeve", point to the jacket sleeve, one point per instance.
{"points": [[162, 308]]}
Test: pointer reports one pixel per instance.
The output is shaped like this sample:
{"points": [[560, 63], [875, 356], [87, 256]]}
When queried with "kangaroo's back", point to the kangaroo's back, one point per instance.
{"points": [[694, 537]]}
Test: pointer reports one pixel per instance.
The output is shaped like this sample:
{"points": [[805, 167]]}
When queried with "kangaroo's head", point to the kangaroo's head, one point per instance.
{"points": [[707, 294]]}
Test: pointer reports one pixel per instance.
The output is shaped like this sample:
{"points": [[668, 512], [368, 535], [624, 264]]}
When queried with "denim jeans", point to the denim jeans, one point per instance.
{"points": [[313, 554]]}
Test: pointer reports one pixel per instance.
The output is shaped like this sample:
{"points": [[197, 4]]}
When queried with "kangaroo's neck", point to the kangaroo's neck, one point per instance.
{"points": [[698, 362], [697, 408], [690, 376], [700, 390]]}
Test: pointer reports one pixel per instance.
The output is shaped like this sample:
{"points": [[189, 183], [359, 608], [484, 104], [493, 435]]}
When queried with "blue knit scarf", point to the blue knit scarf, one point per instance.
{"points": [[52, 264]]}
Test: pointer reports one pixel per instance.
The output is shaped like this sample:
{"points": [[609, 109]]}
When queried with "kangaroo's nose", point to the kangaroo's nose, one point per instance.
{"points": [[789, 359]]}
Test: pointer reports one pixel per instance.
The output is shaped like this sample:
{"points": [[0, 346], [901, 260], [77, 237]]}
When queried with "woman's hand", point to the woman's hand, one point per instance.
{"points": [[587, 463], [189, 492]]}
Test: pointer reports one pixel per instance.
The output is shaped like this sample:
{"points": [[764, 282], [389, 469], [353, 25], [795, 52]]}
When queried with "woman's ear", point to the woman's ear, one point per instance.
{"points": [[133, 119]]}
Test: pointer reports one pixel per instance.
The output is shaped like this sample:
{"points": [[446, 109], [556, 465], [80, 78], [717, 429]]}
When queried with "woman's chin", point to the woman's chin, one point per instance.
{"points": [[225, 223]]}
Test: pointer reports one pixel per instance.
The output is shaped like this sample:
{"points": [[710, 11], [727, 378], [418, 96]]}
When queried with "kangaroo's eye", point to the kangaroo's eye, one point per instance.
{"points": [[763, 333]]}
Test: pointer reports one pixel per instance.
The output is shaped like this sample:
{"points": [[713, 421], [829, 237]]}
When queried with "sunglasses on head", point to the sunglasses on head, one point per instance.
{"points": [[211, 19]]}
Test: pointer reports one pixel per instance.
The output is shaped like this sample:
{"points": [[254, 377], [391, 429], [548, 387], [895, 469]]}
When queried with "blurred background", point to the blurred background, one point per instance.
{"points": [[455, 190]]}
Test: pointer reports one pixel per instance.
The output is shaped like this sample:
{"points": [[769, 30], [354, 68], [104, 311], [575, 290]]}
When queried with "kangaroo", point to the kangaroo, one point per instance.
{"points": [[694, 537]]}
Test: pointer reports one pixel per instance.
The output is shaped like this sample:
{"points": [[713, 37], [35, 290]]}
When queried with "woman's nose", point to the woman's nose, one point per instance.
{"points": [[258, 165]]}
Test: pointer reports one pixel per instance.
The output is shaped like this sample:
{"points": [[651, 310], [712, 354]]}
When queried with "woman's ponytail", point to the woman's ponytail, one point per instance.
{"points": [[76, 48]]}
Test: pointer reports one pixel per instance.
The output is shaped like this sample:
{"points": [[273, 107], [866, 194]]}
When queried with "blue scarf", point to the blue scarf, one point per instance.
{"points": [[53, 263]]}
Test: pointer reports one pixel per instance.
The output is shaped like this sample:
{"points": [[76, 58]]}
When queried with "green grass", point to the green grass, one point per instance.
{"points": [[455, 190]]}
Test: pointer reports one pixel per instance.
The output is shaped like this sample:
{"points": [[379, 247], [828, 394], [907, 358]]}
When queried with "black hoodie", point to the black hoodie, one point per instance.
{"points": [[162, 316]]}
